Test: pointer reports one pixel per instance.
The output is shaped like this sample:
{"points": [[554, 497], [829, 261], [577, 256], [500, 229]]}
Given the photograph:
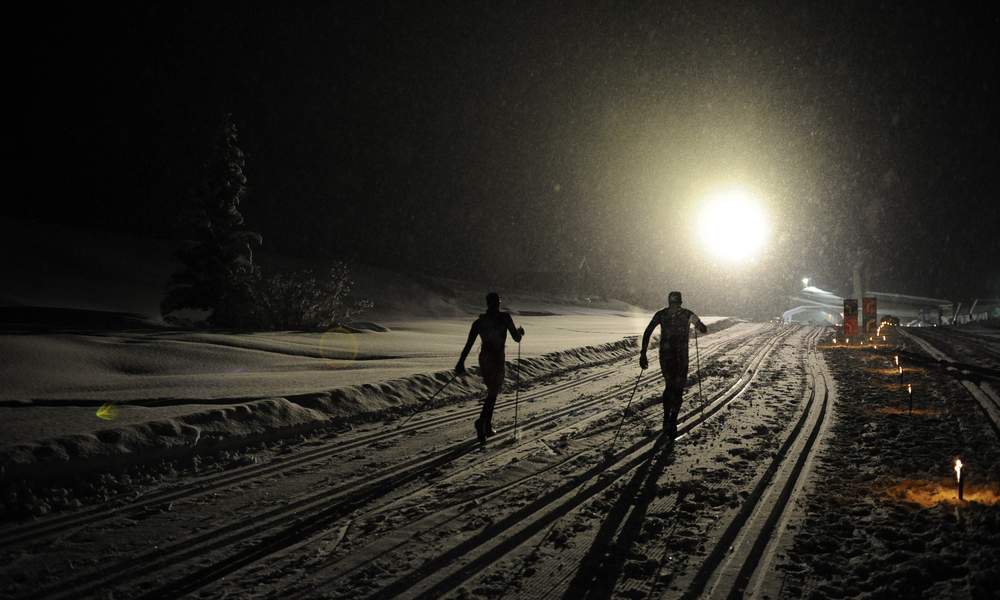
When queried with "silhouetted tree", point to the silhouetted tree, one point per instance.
{"points": [[218, 270]]}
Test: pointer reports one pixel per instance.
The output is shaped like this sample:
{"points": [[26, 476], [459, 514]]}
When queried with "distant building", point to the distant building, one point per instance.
{"points": [[821, 307]]}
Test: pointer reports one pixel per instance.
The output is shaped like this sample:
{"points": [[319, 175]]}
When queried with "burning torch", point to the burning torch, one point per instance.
{"points": [[961, 480]]}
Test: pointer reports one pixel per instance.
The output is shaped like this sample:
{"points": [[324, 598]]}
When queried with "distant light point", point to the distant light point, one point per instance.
{"points": [[733, 226]]}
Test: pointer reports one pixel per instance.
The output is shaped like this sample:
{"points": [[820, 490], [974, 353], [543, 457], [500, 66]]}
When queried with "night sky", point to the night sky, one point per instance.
{"points": [[483, 139]]}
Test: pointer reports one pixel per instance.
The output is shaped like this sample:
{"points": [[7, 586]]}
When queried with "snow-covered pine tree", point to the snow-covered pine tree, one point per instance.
{"points": [[218, 270]]}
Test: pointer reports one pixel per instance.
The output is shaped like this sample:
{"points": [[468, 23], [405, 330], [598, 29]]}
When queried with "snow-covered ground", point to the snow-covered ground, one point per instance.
{"points": [[882, 517], [143, 365], [571, 506], [213, 388], [93, 377]]}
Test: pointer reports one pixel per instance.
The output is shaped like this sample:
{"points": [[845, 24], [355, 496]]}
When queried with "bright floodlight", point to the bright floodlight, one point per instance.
{"points": [[732, 225]]}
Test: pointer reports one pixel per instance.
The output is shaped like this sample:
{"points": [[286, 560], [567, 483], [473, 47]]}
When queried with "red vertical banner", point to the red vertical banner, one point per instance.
{"points": [[850, 317], [869, 311]]}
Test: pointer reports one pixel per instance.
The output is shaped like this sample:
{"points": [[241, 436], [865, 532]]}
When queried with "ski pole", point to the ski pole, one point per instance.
{"points": [[517, 391], [622, 422], [697, 358], [428, 401]]}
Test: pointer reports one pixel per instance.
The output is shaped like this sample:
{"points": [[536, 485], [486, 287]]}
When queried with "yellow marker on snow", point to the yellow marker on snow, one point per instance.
{"points": [[107, 412]]}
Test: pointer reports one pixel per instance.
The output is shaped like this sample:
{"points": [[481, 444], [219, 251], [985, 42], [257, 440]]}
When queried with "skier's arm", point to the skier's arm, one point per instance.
{"points": [[516, 333], [698, 324], [653, 323], [643, 362], [473, 332]]}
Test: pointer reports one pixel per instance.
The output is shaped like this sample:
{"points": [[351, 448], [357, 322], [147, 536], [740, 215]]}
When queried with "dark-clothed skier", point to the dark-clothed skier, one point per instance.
{"points": [[674, 322], [492, 327]]}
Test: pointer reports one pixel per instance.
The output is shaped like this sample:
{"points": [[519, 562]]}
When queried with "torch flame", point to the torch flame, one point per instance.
{"points": [[897, 360], [909, 388], [958, 468]]}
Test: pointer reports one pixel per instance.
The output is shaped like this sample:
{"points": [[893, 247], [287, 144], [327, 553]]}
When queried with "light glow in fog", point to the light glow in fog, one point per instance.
{"points": [[732, 225]]}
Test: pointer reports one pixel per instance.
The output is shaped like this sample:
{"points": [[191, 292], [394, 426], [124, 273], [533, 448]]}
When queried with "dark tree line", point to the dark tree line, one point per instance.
{"points": [[218, 273]]}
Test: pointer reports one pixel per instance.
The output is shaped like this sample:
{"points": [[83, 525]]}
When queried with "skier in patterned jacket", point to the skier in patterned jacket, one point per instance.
{"points": [[674, 322], [492, 326]]}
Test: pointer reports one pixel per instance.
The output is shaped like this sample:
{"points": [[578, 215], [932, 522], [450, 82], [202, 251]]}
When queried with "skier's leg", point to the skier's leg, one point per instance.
{"points": [[676, 375], [480, 432], [667, 389], [670, 415], [675, 396], [493, 374], [485, 371], [492, 371], [678, 400], [484, 427], [501, 373], [665, 399]]}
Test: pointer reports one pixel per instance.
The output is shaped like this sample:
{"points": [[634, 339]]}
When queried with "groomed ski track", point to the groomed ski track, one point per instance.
{"points": [[56, 527], [559, 473]]}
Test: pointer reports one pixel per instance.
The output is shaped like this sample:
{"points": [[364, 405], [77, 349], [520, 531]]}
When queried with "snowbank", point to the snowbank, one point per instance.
{"points": [[160, 368], [152, 433], [205, 429], [114, 449]]}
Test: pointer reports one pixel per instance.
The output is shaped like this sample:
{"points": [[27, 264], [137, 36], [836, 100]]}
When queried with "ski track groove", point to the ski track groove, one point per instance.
{"points": [[326, 518], [652, 402], [745, 548], [952, 334], [36, 531], [981, 392], [623, 462], [620, 530]]}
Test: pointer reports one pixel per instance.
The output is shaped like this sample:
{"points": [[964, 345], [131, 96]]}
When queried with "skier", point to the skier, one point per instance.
{"points": [[674, 322], [492, 327]]}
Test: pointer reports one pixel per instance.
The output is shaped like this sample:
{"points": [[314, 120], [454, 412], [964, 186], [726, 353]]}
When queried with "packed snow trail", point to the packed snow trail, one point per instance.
{"points": [[241, 498]]}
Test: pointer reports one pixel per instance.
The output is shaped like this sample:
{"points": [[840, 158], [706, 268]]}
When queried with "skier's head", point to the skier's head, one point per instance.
{"points": [[493, 301], [674, 299]]}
